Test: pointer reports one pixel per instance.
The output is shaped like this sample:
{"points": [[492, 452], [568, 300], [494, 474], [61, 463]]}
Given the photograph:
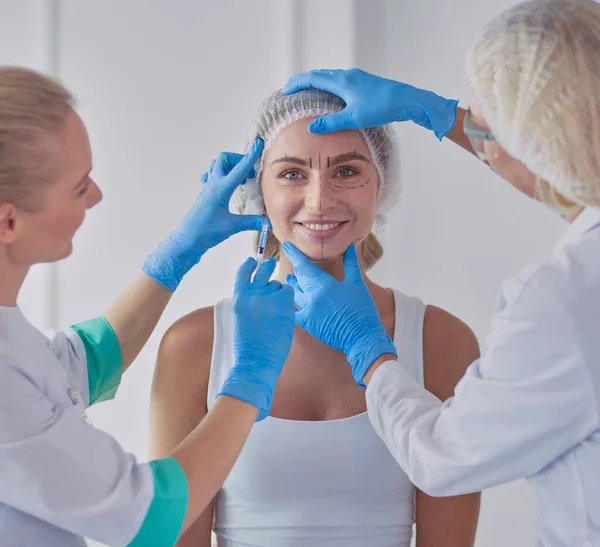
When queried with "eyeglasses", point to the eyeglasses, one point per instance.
{"points": [[477, 138]]}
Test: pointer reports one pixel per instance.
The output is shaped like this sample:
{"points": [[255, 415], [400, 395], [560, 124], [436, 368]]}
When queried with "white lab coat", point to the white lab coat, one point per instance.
{"points": [[529, 407], [61, 479]]}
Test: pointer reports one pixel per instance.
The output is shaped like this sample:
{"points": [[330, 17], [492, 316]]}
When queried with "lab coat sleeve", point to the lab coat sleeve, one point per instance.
{"points": [[528, 400], [92, 356], [57, 468]]}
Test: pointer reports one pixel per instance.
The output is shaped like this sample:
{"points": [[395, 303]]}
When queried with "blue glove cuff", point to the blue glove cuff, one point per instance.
{"points": [[446, 120], [167, 264], [365, 351], [157, 269], [432, 112], [247, 388]]}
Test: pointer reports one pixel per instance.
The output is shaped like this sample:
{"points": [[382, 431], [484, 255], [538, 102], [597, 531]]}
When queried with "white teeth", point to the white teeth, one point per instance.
{"points": [[320, 227]]}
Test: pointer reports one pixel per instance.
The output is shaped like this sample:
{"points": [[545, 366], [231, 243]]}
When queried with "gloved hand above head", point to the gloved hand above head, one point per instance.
{"points": [[372, 101], [208, 222], [263, 329], [341, 314]]}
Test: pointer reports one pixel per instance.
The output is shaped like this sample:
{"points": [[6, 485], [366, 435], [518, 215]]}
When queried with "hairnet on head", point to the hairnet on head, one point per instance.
{"points": [[279, 110], [534, 75]]}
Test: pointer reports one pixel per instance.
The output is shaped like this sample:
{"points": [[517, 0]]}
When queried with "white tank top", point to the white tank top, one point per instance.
{"points": [[307, 483]]}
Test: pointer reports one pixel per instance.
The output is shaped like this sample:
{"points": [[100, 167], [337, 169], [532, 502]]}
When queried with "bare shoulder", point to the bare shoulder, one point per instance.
{"points": [[191, 336], [184, 355], [449, 347], [180, 382]]}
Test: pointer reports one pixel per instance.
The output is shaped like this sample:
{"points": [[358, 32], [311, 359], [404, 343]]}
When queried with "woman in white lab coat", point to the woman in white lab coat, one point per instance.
{"points": [[61, 479], [530, 406]]}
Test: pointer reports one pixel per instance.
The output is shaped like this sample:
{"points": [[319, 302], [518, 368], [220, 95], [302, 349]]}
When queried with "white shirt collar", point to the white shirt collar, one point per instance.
{"points": [[588, 219]]}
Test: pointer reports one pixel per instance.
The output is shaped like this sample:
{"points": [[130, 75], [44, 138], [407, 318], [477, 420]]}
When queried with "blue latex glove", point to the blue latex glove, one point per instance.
{"points": [[208, 222], [341, 314], [263, 328], [372, 100]]}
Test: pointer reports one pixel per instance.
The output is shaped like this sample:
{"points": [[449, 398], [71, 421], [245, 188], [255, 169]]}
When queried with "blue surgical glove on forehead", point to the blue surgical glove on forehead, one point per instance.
{"points": [[372, 101]]}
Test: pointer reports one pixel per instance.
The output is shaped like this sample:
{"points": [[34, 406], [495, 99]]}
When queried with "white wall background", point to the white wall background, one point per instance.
{"points": [[164, 85]]}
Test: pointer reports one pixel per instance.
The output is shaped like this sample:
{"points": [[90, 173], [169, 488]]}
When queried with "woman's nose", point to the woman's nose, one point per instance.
{"points": [[320, 195], [94, 195]]}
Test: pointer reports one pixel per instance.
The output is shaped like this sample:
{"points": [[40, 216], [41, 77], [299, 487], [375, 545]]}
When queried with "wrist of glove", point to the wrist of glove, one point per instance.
{"points": [[252, 382], [426, 109], [169, 262], [363, 350]]}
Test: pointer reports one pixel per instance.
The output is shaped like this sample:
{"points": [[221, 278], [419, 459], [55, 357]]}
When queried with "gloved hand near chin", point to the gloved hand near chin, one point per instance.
{"points": [[208, 222], [341, 314], [372, 101]]}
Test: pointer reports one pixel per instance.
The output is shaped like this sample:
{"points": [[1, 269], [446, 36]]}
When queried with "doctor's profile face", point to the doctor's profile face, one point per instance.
{"points": [[46, 232], [320, 191], [502, 163]]}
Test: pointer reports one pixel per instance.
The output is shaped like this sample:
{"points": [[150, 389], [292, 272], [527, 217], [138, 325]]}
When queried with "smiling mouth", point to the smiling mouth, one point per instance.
{"points": [[322, 229], [320, 226]]}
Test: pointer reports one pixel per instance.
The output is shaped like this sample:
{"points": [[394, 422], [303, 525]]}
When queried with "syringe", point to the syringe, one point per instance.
{"points": [[260, 254]]}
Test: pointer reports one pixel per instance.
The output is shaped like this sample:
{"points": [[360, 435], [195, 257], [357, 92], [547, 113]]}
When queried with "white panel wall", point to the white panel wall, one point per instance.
{"points": [[27, 38], [26, 33], [165, 85]]}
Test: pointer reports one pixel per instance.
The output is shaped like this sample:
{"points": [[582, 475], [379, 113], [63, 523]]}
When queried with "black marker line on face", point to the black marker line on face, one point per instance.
{"points": [[352, 187], [321, 209], [321, 199]]}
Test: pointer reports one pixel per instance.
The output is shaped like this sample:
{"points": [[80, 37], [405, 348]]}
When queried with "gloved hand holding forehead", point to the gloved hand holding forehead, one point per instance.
{"points": [[372, 101]]}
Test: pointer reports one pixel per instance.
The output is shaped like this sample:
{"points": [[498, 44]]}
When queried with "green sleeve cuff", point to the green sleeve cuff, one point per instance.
{"points": [[166, 514], [103, 358]]}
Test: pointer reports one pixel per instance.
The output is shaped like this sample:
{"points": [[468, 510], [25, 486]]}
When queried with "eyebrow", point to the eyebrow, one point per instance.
{"points": [[345, 157], [290, 159], [335, 160]]}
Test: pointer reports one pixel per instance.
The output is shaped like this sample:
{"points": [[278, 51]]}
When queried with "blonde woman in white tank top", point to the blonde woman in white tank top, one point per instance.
{"points": [[300, 478]]}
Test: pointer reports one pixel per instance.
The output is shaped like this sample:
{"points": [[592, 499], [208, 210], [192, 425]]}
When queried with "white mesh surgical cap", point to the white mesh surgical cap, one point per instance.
{"points": [[280, 110], [534, 74]]}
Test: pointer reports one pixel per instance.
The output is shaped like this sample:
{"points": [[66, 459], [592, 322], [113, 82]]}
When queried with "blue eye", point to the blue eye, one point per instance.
{"points": [[347, 172], [292, 175]]}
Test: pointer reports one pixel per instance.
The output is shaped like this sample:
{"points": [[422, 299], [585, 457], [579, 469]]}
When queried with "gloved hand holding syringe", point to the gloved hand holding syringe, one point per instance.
{"points": [[260, 253]]}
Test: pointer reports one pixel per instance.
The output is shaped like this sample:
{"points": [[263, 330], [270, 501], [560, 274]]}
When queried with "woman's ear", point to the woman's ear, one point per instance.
{"points": [[8, 223]]}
